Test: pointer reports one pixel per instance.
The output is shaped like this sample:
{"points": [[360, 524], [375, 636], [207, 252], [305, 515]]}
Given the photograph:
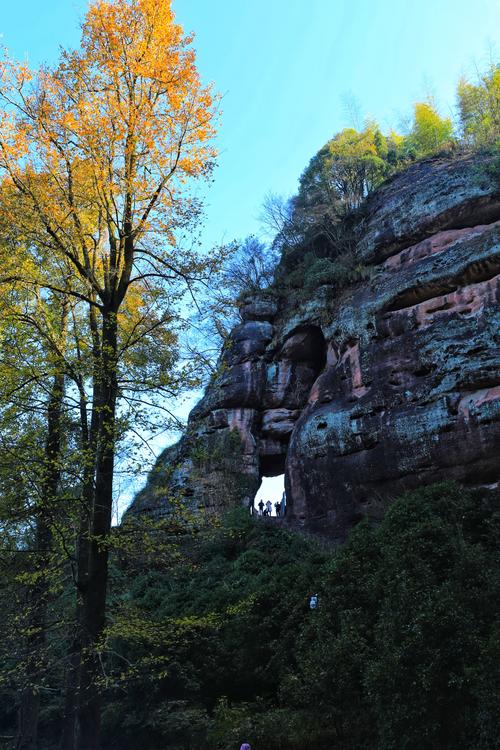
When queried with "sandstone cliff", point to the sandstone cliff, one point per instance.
{"points": [[360, 395]]}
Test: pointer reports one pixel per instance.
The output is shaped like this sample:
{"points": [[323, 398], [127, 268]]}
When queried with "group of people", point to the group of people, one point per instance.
{"points": [[266, 508]]}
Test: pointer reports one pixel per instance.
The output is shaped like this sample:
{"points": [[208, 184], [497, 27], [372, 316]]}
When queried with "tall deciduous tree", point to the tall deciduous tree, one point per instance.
{"points": [[100, 151]]}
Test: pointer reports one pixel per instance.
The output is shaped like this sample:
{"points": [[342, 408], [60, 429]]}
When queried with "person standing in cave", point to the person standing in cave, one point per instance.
{"points": [[261, 507], [277, 508], [269, 508]]}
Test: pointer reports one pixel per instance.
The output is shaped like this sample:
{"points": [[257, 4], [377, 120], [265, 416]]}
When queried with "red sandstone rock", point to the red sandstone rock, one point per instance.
{"points": [[279, 423], [391, 385]]}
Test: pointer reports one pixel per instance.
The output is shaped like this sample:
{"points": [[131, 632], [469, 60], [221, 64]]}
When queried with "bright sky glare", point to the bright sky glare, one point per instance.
{"points": [[272, 489]]}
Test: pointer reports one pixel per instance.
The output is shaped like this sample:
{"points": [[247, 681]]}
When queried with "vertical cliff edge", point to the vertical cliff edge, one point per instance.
{"points": [[360, 395]]}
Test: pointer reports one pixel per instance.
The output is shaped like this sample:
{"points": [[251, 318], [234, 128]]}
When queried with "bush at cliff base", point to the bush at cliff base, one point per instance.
{"points": [[402, 651], [215, 643]]}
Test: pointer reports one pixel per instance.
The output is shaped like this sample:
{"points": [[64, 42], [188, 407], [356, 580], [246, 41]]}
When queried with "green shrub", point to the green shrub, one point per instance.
{"points": [[218, 646], [406, 635], [314, 272]]}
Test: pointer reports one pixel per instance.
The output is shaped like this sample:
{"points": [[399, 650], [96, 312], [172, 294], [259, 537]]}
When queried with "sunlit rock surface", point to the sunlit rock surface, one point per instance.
{"points": [[359, 396]]}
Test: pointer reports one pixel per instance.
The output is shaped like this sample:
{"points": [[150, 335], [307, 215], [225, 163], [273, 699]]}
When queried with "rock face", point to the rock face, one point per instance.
{"points": [[360, 396]]}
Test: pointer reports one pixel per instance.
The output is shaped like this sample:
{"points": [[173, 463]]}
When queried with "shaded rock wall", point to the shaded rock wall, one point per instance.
{"points": [[359, 396]]}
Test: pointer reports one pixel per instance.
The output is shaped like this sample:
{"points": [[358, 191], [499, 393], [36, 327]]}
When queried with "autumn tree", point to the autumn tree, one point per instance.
{"points": [[101, 150], [47, 451], [429, 132], [45, 441], [479, 107]]}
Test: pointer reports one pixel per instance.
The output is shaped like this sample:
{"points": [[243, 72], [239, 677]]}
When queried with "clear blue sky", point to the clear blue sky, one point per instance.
{"points": [[285, 66]]}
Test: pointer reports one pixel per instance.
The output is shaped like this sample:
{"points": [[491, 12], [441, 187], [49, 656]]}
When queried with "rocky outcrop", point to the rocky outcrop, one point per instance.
{"points": [[359, 396]]}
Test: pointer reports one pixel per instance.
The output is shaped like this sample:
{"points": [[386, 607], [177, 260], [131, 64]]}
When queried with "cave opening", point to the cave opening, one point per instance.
{"points": [[296, 367], [269, 500]]}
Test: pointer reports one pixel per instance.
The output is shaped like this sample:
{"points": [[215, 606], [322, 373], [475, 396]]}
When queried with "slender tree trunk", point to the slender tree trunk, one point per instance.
{"points": [[88, 441], [68, 734], [68, 728], [94, 592], [37, 595], [27, 731]]}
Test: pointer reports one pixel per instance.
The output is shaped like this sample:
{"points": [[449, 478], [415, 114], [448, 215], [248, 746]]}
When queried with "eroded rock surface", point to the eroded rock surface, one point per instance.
{"points": [[359, 396]]}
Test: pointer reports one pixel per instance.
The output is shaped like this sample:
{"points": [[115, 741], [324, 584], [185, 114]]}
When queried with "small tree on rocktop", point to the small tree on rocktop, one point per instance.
{"points": [[345, 170], [479, 108], [251, 268], [430, 131]]}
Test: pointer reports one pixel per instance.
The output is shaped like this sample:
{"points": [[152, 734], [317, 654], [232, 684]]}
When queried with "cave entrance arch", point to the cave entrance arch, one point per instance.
{"points": [[289, 383], [271, 490]]}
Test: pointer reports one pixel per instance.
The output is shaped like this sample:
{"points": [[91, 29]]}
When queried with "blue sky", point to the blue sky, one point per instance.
{"points": [[285, 68]]}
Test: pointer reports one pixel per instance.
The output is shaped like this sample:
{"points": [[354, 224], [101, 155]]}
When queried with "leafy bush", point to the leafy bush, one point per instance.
{"points": [[223, 618], [405, 635], [430, 132], [401, 652], [313, 272], [217, 645]]}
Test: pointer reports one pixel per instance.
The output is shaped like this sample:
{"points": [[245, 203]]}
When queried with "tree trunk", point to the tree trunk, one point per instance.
{"points": [[88, 443], [68, 729], [69, 722], [27, 721], [38, 591], [95, 589]]}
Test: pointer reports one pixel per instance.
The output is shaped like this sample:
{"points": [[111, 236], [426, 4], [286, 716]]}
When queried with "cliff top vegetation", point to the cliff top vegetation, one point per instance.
{"points": [[312, 243]]}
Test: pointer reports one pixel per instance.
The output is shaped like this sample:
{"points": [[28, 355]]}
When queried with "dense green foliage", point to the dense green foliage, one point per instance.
{"points": [[406, 640], [346, 170], [227, 614], [211, 642], [354, 162], [312, 272], [402, 652]]}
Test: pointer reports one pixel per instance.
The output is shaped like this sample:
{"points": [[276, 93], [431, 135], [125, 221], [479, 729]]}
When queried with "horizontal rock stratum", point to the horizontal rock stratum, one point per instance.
{"points": [[360, 395]]}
